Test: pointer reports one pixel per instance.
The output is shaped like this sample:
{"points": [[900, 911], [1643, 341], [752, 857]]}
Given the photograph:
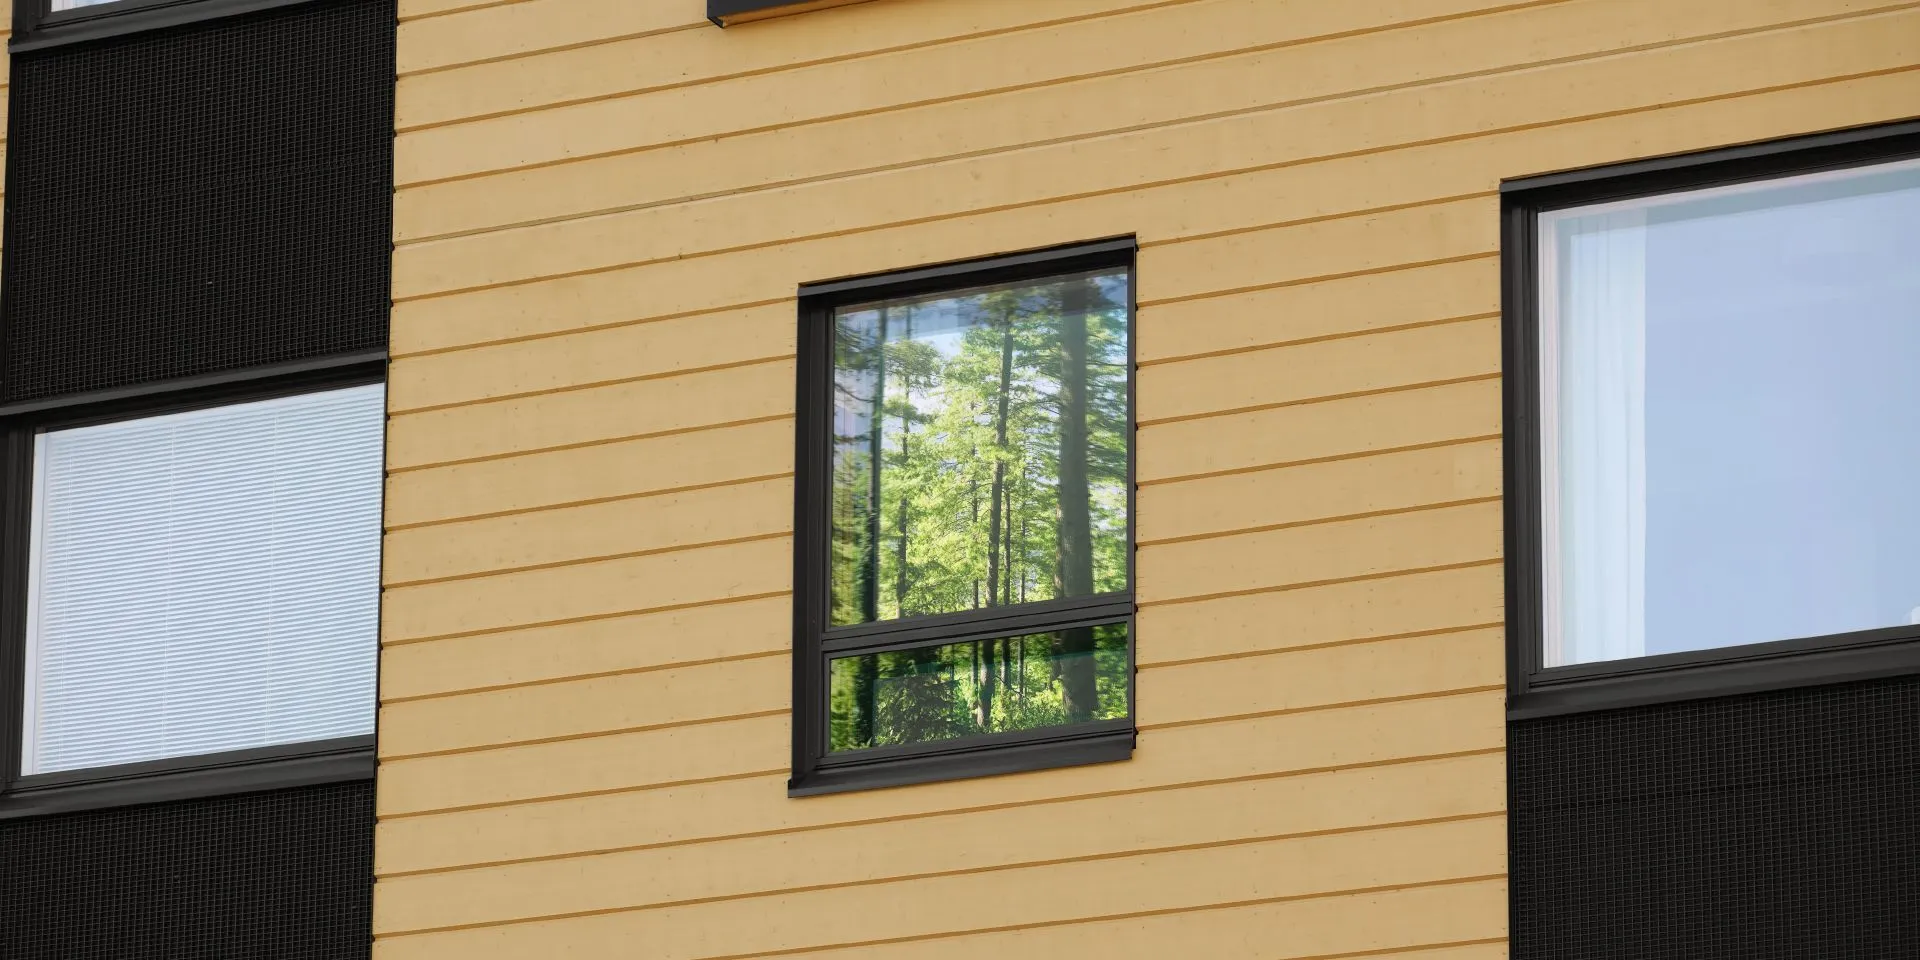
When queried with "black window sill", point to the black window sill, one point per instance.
{"points": [[988, 759], [186, 778], [1755, 668], [726, 13], [35, 30]]}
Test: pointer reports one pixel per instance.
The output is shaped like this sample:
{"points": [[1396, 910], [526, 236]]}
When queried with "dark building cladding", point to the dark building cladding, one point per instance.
{"points": [[282, 874], [206, 198], [1771, 825]]}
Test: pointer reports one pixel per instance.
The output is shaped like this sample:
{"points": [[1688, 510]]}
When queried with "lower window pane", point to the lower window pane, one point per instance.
{"points": [[933, 693]]}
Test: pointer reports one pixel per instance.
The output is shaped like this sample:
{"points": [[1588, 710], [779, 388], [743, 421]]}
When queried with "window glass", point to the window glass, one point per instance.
{"points": [[1731, 423], [59, 5], [204, 581], [941, 692], [980, 448]]}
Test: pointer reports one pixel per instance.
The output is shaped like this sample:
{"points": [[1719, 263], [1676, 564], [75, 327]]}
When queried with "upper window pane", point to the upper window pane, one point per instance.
{"points": [[204, 581], [1731, 423], [980, 448]]}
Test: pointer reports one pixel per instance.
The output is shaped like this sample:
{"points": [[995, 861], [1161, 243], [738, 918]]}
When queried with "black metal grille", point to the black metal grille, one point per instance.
{"points": [[281, 874], [1777, 825], [200, 199]]}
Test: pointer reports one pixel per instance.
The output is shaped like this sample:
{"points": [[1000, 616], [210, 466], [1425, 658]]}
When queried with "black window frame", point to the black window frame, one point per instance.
{"points": [[173, 778], [726, 13], [1534, 690], [815, 641], [36, 25]]}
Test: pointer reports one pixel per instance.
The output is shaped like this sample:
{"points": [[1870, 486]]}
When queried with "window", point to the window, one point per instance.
{"points": [[1717, 366], [204, 581], [726, 13], [964, 563], [193, 596], [48, 23]]}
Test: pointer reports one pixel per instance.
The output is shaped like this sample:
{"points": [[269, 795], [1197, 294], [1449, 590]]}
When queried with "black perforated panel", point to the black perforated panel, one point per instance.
{"points": [[285, 874], [205, 198], [1780, 825]]}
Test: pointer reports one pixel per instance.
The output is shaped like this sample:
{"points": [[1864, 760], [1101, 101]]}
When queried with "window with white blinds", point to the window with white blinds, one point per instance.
{"points": [[204, 581]]}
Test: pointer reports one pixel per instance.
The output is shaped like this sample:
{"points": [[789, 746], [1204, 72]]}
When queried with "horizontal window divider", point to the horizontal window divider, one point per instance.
{"points": [[181, 778], [986, 624], [987, 755]]}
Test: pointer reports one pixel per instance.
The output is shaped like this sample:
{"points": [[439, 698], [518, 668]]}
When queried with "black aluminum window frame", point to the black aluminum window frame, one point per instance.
{"points": [[173, 778], [36, 25], [1534, 690], [815, 641]]}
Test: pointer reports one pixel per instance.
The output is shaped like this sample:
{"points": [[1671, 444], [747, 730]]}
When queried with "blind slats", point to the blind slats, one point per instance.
{"points": [[205, 581]]}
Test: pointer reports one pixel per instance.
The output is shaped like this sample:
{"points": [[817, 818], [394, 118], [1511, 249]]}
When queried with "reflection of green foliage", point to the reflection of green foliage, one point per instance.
{"points": [[934, 693], [997, 421], [940, 425]]}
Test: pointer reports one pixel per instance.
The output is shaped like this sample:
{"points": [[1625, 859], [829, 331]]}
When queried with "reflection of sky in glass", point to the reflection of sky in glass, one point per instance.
{"points": [[59, 5], [1782, 408]]}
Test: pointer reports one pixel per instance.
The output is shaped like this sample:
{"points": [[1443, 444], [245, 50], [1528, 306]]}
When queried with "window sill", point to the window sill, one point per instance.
{"points": [[984, 761], [1716, 673], [240, 771]]}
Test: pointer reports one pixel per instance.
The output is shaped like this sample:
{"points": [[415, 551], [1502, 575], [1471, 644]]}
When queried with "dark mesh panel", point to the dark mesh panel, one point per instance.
{"points": [[285, 874], [1780, 825], [200, 199]]}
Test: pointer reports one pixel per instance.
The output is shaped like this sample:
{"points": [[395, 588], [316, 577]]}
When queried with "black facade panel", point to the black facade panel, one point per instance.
{"points": [[1776, 825], [200, 199], [285, 874]]}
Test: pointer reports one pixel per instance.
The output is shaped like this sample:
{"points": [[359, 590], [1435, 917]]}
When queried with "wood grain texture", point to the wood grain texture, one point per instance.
{"points": [[601, 223]]}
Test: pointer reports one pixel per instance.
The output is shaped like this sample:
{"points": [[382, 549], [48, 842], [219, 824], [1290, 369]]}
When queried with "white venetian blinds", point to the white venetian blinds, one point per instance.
{"points": [[204, 581]]}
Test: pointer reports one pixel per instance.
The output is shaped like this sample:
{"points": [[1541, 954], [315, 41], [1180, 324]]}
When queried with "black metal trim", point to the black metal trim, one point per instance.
{"points": [[815, 640], [265, 768], [1534, 690], [37, 28], [184, 778], [1105, 747]]}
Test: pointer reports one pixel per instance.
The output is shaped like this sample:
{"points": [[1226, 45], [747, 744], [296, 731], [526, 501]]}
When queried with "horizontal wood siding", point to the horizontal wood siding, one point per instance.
{"points": [[604, 209]]}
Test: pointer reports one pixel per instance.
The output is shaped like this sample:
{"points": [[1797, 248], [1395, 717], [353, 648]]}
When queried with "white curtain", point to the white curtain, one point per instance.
{"points": [[205, 581], [1594, 349]]}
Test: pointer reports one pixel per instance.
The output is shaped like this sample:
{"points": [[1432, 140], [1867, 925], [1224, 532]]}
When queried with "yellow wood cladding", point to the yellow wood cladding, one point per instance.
{"points": [[604, 209]]}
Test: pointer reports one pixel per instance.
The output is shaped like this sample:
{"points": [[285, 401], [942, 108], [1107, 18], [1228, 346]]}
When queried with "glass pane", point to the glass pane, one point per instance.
{"points": [[934, 693], [59, 5], [980, 448], [205, 581], [1732, 428]]}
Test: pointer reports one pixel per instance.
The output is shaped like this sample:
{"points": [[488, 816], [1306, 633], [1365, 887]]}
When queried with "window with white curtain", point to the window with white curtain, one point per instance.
{"points": [[204, 581], [1730, 432]]}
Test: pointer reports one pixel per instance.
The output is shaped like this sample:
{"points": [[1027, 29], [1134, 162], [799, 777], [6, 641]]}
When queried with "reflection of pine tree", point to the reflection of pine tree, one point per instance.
{"points": [[1003, 457]]}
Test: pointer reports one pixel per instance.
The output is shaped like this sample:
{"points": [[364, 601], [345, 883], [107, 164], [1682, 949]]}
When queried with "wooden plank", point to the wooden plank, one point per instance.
{"points": [[527, 78], [1189, 149], [616, 412], [436, 33], [1320, 552], [1386, 923], [1290, 72], [1416, 603], [621, 761], [591, 357], [600, 589], [1053, 894], [724, 454], [1312, 431], [620, 817], [688, 285], [592, 647], [1353, 800], [1227, 504], [1301, 679], [1309, 371], [1329, 308], [630, 701], [573, 534]]}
